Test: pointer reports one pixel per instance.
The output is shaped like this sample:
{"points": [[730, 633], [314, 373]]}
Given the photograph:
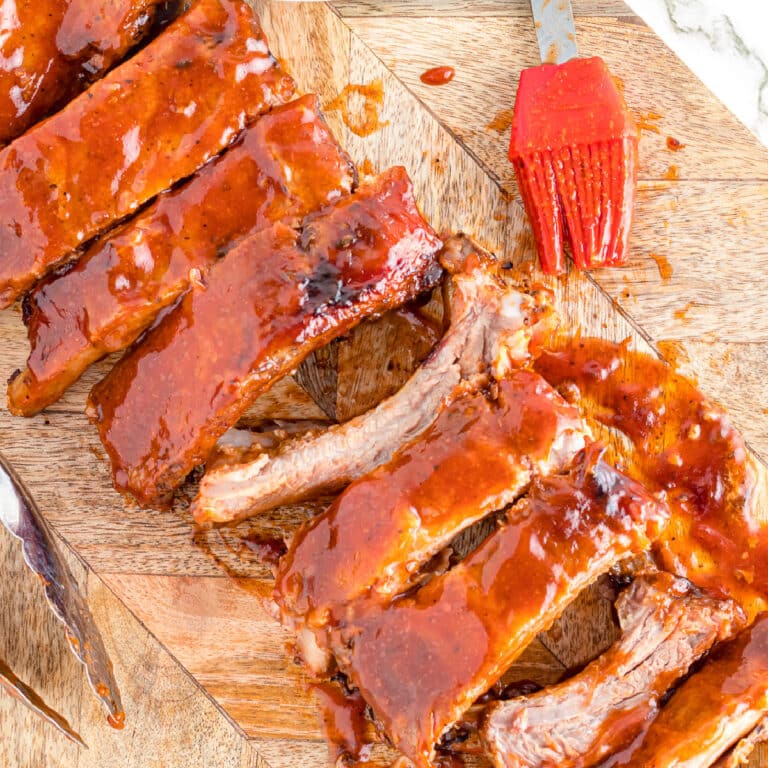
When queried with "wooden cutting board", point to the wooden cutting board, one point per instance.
{"points": [[205, 677]]}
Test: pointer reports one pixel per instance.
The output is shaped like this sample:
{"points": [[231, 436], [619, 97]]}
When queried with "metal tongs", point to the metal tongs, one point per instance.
{"points": [[20, 515]]}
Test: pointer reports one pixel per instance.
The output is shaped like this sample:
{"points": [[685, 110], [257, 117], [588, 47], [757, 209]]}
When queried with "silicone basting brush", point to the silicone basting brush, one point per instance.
{"points": [[574, 149]]}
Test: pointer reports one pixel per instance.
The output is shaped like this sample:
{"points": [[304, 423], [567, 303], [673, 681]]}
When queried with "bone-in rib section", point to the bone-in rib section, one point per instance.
{"points": [[149, 123], [287, 165], [477, 457], [276, 297], [52, 49], [666, 626], [494, 325], [422, 661], [723, 702]]}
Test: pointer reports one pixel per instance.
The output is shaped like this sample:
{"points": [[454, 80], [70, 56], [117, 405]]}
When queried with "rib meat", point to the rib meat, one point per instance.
{"points": [[723, 702], [494, 325], [475, 459], [740, 754], [421, 661], [149, 123], [666, 626], [276, 297], [285, 166], [52, 49]]}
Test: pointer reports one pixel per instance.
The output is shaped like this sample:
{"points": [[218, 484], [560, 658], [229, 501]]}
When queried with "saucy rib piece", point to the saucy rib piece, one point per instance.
{"points": [[686, 446], [740, 754], [149, 123], [712, 710], [52, 50], [285, 166], [666, 626], [421, 661], [494, 325], [476, 458], [275, 298]]}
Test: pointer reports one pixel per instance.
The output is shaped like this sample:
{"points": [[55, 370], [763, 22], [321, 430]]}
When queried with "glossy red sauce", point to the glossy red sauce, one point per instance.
{"points": [[438, 75], [673, 145], [344, 723], [360, 106], [283, 167], [274, 299], [147, 124], [664, 267], [685, 446], [474, 459], [421, 662], [50, 51], [712, 710], [574, 148], [117, 721]]}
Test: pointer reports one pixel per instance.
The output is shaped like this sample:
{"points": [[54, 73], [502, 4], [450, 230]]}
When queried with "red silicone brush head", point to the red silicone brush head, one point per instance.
{"points": [[574, 148]]}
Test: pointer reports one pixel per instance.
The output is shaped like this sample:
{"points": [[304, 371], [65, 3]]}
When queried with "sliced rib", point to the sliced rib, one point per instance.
{"points": [[494, 325], [149, 123], [53, 49], [421, 661], [478, 456], [666, 626], [712, 710], [740, 754], [275, 298], [285, 166]]}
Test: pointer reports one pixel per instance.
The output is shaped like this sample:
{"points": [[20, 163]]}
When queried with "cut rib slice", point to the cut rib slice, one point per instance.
{"points": [[285, 166], [149, 123], [477, 457], [666, 626], [53, 49], [494, 325], [275, 298], [712, 710], [422, 661]]}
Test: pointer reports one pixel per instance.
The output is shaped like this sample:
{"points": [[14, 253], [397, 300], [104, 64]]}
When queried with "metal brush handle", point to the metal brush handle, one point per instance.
{"points": [[555, 30]]}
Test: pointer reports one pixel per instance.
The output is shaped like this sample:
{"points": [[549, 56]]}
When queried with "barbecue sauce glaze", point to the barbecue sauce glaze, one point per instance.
{"points": [[684, 446]]}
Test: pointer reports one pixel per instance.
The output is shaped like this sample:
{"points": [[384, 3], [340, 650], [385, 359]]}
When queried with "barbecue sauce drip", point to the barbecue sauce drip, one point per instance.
{"points": [[686, 447], [344, 723], [438, 76], [363, 118]]}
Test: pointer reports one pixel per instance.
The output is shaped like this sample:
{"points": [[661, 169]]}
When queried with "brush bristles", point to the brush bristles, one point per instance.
{"points": [[583, 195]]}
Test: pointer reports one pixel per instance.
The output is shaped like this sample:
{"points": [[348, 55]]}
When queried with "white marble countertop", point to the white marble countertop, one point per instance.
{"points": [[725, 43]]}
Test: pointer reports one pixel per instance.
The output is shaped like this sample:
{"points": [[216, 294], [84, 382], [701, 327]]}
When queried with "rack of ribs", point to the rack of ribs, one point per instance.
{"points": [[276, 297], [149, 123], [711, 711], [667, 625], [54, 49], [495, 325], [421, 661], [480, 454], [282, 168]]}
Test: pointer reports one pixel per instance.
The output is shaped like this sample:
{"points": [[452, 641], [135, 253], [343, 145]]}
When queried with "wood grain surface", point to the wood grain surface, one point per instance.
{"points": [[206, 674]]}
